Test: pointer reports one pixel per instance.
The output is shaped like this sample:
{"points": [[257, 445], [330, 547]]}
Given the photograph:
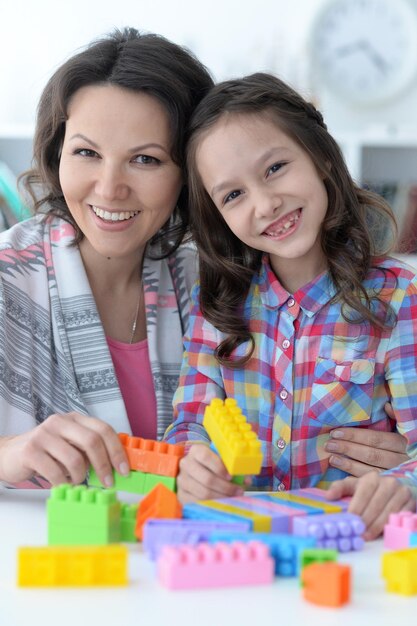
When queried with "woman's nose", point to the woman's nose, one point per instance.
{"points": [[111, 184]]}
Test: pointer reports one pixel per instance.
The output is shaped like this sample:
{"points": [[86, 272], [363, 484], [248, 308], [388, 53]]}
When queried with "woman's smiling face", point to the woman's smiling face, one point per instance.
{"points": [[116, 171]]}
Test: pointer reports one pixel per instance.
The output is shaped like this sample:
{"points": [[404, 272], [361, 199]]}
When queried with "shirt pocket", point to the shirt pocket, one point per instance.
{"points": [[342, 392]]}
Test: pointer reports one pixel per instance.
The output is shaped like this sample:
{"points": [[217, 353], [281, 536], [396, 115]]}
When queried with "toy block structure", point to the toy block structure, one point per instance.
{"points": [[327, 584], [398, 530], [219, 565], [279, 520], [159, 503], [128, 517], [286, 550], [319, 495], [152, 457], [399, 569], [233, 437], [317, 555], [219, 510], [340, 531], [158, 533], [135, 482], [81, 516], [65, 566], [292, 498]]}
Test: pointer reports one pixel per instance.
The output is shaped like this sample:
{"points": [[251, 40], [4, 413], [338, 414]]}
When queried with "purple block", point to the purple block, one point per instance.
{"points": [[339, 531], [158, 533], [319, 495]]}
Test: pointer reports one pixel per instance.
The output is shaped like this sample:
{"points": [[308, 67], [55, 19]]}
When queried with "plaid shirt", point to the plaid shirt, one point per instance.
{"points": [[310, 372]]}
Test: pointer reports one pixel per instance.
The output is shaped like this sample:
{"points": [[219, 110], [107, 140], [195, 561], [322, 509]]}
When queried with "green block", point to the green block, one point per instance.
{"points": [[317, 555], [151, 480], [76, 512], [238, 480], [128, 522], [133, 483]]}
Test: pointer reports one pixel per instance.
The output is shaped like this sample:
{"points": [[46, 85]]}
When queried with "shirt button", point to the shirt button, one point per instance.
{"points": [[285, 344], [281, 444], [281, 487], [283, 394], [291, 302]]}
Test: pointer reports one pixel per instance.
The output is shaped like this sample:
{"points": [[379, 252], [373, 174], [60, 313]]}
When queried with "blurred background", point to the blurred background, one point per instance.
{"points": [[355, 59]]}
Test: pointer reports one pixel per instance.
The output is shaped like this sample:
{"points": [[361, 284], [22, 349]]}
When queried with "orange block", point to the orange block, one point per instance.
{"points": [[152, 457], [160, 503], [327, 584]]}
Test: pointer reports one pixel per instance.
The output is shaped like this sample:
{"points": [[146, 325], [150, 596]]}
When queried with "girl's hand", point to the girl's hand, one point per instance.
{"points": [[374, 498], [203, 476], [61, 449], [360, 450]]}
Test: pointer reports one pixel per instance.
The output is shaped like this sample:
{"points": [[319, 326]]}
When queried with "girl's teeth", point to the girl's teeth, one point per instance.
{"points": [[114, 216], [284, 227]]}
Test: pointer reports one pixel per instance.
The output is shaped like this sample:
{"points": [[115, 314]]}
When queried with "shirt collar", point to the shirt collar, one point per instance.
{"points": [[311, 297]]}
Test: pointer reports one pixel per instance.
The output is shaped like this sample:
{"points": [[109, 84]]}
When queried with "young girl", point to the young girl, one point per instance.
{"points": [[298, 315]]}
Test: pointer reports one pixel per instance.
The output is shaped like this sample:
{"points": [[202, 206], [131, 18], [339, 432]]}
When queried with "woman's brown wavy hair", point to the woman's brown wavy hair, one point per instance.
{"points": [[129, 59], [348, 237]]}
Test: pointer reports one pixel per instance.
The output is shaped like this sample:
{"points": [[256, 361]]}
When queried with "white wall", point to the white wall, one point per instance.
{"points": [[229, 36]]}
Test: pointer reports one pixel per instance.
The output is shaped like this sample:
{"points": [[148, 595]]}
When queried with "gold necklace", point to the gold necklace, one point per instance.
{"points": [[135, 320]]}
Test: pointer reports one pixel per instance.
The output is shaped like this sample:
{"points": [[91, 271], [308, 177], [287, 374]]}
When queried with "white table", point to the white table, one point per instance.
{"points": [[144, 602]]}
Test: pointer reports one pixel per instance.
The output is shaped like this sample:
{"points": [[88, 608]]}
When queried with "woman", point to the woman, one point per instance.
{"points": [[94, 289]]}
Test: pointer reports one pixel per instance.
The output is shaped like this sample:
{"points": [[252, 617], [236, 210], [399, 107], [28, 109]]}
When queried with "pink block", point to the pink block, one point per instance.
{"points": [[398, 529], [215, 565]]}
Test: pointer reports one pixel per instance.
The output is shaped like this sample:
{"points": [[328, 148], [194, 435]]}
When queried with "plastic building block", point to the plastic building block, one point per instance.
{"points": [[327, 584], [233, 437], [152, 457], [195, 511], [278, 523], [72, 566], [159, 503], [340, 531], [324, 507], [81, 516], [135, 482], [261, 522], [399, 569], [398, 530], [319, 495], [286, 550], [317, 555], [128, 522], [159, 533], [220, 565]]}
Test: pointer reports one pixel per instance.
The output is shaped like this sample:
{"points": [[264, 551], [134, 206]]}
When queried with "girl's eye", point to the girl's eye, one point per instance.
{"points": [[232, 196], [86, 152], [275, 168], [145, 159]]}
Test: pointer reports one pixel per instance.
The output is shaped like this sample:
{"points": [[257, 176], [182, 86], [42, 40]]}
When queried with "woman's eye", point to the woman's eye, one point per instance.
{"points": [[86, 152], [232, 196], [145, 159]]}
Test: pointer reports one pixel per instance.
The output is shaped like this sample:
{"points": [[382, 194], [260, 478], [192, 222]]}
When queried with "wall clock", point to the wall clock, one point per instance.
{"points": [[365, 51]]}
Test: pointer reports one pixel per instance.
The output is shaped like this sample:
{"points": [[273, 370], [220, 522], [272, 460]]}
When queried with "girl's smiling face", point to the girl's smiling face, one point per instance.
{"points": [[116, 171], [268, 191]]}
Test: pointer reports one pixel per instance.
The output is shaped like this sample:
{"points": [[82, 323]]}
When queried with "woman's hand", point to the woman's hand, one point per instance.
{"points": [[360, 450], [203, 476], [374, 498], [61, 449]]}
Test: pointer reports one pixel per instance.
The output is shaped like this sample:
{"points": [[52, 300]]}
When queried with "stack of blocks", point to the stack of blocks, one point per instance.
{"points": [[151, 463]]}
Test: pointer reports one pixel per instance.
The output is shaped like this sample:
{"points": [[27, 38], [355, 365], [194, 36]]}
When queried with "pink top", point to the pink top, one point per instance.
{"points": [[133, 371]]}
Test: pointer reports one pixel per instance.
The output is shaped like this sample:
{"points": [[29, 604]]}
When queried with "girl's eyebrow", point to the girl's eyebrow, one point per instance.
{"points": [[145, 146]]}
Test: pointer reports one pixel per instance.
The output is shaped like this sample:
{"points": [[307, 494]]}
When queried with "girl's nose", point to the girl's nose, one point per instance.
{"points": [[266, 203]]}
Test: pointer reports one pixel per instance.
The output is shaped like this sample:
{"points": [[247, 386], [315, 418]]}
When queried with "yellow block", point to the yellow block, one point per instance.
{"points": [[399, 568], [261, 523], [323, 506], [236, 442], [72, 566]]}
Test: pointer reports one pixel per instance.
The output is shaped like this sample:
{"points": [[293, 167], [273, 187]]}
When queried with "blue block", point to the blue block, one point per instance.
{"points": [[197, 511]]}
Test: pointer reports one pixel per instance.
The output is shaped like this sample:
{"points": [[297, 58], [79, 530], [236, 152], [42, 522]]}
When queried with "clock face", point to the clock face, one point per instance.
{"points": [[366, 50]]}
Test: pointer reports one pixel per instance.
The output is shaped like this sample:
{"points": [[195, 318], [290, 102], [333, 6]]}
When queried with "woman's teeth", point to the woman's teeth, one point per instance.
{"points": [[114, 216], [282, 228]]}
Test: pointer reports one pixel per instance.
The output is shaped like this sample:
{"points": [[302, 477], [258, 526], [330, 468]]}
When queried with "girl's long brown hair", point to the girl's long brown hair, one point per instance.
{"points": [[348, 237]]}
